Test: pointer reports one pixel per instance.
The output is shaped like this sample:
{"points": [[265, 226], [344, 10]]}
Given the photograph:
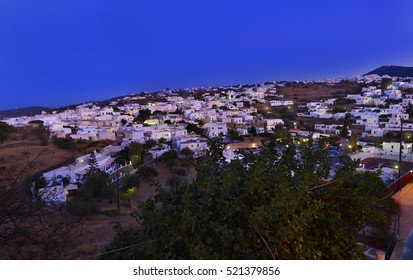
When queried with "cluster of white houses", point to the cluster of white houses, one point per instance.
{"points": [[377, 110], [115, 121], [88, 121], [214, 111]]}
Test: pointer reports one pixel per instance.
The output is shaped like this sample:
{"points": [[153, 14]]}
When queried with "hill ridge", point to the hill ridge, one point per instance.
{"points": [[392, 71]]}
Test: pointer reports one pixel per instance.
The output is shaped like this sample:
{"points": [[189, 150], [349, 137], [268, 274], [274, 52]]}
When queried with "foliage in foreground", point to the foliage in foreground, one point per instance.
{"points": [[275, 205], [30, 229]]}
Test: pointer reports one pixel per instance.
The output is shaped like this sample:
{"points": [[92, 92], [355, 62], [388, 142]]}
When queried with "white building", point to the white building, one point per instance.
{"points": [[77, 170], [272, 123], [393, 94], [161, 133], [159, 150], [394, 147], [328, 128], [276, 103], [260, 129], [215, 129], [196, 143]]}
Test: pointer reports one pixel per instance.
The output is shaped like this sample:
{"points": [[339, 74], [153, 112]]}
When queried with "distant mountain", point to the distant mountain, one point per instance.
{"points": [[393, 71], [27, 111]]}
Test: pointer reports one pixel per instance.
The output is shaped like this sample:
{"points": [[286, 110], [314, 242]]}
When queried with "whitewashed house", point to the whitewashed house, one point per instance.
{"points": [[259, 129], [406, 102], [242, 131], [236, 120], [196, 143], [159, 150], [178, 130], [106, 134], [272, 123], [276, 103], [215, 129], [77, 170], [393, 94], [377, 132], [157, 134], [328, 128], [173, 118], [394, 147], [138, 136]]}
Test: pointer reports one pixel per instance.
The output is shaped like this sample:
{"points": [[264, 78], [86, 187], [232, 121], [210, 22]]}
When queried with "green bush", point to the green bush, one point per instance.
{"points": [[147, 172], [65, 143], [5, 130]]}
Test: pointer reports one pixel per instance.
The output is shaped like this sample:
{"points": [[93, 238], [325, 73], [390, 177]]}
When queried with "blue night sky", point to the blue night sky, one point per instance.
{"points": [[61, 52]]}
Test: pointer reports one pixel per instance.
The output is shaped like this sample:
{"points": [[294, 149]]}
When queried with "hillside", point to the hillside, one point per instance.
{"points": [[27, 111], [393, 71]]}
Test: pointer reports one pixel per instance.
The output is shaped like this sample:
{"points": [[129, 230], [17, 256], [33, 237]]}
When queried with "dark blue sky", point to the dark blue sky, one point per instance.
{"points": [[60, 52]]}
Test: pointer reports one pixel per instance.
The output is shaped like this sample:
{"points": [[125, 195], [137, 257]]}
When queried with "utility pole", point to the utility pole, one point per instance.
{"points": [[400, 152], [400, 172], [117, 185]]}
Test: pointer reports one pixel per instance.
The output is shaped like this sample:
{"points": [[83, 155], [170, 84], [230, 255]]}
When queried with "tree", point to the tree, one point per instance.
{"points": [[281, 135], [188, 153], [28, 228], [158, 114], [93, 164], [66, 143], [132, 180], [344, 130], [5, 131], [354, 145], [194, 129], [343, 101], [233, 133], [147, 172], [136, 153], [40, 183], [36, 122], [385, 83], [169, 158], [273, 205], [66, 180], [149, 144], [144, 114], [83, 203], [409, 110], [97, 184], [123, 156]]}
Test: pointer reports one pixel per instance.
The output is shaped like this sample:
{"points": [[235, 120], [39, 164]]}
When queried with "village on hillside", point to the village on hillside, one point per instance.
{"points": [[362, 118], [365, 124]]}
